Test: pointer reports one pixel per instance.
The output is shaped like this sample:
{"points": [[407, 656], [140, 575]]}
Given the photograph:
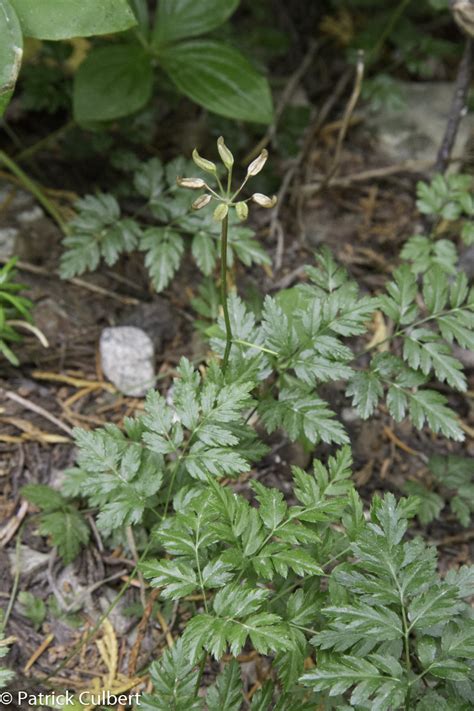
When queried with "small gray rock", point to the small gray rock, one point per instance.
{"points": [[416, 131], [7, 241], [127, 357]]}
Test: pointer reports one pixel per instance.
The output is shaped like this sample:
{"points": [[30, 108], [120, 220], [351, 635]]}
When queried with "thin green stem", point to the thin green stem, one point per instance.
{"points": [[199, 572], [202, 665], [50, 138], [254, 345], [239, 190], [398, 12], [33, 188], [228, 328]]}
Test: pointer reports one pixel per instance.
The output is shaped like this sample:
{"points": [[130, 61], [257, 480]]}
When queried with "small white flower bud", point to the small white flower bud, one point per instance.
{"points": [[264, 200], [194, 183], [226, 156], [242, 210], [257, 164], [201, 202], [204, 164], [221, 212]]}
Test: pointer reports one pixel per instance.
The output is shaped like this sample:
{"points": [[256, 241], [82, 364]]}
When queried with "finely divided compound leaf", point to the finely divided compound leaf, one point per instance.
{"points": [[174, 680]]}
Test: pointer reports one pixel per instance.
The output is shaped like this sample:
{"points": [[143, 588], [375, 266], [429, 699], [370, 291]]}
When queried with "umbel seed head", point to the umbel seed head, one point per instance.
{"points": [[264, 200], [201, 202], [463, 13], [242, 210], [226, 156], [204, 164], [221, 211], [256, 165], [193, 183], [226, 197]]}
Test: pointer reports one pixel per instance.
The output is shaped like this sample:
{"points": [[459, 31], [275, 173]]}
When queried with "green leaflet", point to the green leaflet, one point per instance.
{"points": [[112, 82], [177, 19], [101, 232], [53, 20], [11, 51], [219, 78]]}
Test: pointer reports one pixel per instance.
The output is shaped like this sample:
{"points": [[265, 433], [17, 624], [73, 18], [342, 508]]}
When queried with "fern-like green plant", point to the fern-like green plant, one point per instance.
{"points": [[102, 230], [350, 612], [449, 203]]}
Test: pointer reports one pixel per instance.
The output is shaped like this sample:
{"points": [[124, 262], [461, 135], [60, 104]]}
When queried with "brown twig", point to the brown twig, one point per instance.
{"points": [[408, 166], [134, 552], [299, 164], [33, 269], [36, 408], [285, 97], [141, 629], [9, 530], [458, 108], [350, 108]]}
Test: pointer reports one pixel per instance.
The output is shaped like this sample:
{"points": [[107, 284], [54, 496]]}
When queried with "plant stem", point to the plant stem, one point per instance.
{"points": [[35, 190], [228, 329], [398, 12]]}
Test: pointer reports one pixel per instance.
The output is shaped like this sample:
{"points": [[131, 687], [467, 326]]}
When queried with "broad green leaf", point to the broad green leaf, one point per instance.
{"points": [[176, 19], [62, 19], [11, 52], [219, 78], [451, 669], [112, 82]]}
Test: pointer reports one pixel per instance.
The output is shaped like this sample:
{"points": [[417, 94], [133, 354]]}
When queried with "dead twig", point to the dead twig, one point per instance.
{"points": [[408, 166], [9, 530], [37, 654], [299, 164], [286, 95], [33, 269], [141, 629], [458, 108], [133, 549], [350, 108], [37, 409]]}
